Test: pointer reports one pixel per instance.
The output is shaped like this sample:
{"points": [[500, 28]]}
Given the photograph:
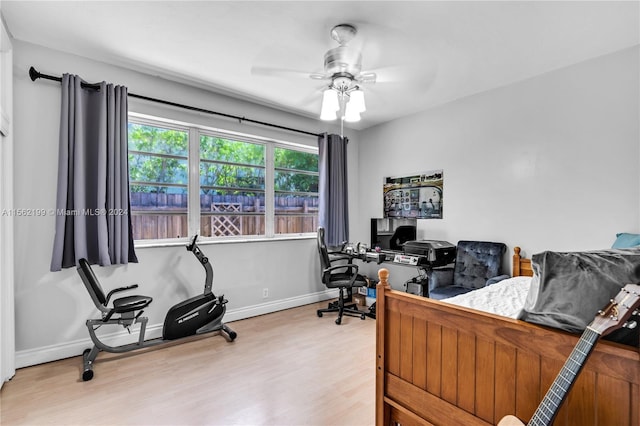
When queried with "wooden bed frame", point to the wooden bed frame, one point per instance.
{"points": [[440, 364]]}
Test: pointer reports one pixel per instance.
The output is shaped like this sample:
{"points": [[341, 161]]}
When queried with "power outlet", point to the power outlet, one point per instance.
{"points": [[265, 293]]}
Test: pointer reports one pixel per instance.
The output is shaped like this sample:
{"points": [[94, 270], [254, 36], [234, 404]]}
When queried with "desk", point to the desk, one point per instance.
{"points": [[418, 285], [388, 256]]}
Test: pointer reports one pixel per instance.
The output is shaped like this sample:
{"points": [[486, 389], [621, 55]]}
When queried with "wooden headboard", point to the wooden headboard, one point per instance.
{"points": [[521, 266]]}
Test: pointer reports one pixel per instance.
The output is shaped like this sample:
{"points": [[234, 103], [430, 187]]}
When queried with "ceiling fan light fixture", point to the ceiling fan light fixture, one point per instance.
{"points": [[357, 100], [351, 113], [330, 105]]}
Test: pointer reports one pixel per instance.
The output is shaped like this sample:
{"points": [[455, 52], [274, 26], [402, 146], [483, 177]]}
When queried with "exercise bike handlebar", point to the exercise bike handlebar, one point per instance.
{"points": [[204, 261], [192, 244]]}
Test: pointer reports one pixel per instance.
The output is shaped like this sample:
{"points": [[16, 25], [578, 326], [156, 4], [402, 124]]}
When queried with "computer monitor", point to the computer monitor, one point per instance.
{"points": [[392, 233]]}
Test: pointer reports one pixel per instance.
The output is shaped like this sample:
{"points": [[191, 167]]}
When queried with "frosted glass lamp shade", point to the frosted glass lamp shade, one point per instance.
{"points": [[330, 105], [351, 113], [357, 99]]}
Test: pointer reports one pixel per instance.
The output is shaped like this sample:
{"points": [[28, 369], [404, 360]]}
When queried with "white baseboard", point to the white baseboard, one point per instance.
{"points": [[50, 353]]}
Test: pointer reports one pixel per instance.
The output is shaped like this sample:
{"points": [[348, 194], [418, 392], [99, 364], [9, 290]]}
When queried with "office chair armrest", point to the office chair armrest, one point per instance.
{"points": [[496, 279], [337, 249], [118, 290], [336, 255], [441, 277], [345, 266]]}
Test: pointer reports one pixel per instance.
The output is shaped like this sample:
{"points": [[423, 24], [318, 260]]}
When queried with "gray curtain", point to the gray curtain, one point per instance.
{"points": [[92, 218], [333, 197]]}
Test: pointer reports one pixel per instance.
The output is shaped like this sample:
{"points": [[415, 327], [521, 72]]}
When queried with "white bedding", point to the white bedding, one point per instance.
{"points": [[504, 298]]}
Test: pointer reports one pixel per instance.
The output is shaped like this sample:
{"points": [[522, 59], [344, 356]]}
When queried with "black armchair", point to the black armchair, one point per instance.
{"points": [[478, 264], [343, 276]]}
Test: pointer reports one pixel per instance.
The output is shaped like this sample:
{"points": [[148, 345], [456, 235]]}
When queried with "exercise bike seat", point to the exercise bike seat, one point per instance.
{"points": [[120, 305], [131, 303]]}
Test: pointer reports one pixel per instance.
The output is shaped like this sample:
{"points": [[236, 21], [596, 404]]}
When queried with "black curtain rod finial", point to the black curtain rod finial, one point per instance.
{"points": [[33, 74]]}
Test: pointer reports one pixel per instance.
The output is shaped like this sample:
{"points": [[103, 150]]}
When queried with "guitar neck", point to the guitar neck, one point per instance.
{"points": [[611, 317], [558, 391]]}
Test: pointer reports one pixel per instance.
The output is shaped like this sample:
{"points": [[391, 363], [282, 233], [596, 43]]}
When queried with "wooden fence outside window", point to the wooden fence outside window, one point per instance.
{"points": [[160, 216]]}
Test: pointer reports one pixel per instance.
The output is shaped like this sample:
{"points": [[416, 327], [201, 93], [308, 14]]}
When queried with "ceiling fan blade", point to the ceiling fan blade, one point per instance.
{"points": [[389, 74], [318, 76], [367, 77], [279, 72]]}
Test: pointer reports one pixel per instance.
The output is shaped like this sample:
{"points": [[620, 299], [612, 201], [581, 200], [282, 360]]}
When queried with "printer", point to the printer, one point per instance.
{"points": [[433, 253]]}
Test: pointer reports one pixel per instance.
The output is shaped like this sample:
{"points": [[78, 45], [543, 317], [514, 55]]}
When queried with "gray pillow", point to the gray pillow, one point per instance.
{"points": [[569, 288]]}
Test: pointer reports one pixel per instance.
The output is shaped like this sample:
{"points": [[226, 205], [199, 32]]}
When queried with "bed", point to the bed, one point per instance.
{"points": [[442, 364]]}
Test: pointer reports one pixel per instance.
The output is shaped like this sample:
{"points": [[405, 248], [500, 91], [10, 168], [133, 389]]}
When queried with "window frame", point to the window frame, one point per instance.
{"points": [[193, 187]]}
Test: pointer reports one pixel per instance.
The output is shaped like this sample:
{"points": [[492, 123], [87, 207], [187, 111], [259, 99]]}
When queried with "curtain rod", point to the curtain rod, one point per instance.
{"points": [[34, 75]]}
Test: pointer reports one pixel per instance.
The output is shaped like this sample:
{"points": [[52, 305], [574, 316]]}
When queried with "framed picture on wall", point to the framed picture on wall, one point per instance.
{"points": [[416, 196]]}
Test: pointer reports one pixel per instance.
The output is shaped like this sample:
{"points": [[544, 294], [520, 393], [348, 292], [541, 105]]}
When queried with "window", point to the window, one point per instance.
{"points": [[185, 179], [158, 181], [296, 191], [232, 187]]}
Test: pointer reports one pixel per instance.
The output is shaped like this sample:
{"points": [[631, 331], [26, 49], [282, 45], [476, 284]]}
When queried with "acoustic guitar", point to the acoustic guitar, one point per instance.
{"points": [[614, 316]]}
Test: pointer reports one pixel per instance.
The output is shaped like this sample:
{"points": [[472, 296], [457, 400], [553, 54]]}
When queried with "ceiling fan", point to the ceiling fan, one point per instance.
{"points": [[343, 69], [344, 61]]}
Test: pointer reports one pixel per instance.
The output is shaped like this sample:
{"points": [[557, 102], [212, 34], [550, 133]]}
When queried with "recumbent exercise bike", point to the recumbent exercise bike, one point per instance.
{"points": [[196, 315]]}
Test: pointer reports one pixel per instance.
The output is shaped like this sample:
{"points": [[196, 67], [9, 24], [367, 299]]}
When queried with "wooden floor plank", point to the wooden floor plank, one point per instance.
{"points": [[285, 368]]}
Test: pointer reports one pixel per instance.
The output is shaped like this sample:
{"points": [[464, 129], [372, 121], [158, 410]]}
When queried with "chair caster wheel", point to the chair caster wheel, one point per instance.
{"points": [[338, 321], [319, 314]]}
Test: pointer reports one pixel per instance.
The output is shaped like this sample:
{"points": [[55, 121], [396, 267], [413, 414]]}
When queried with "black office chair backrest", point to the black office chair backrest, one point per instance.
{"points": [[401, 235], [91, 282], [325, 262]]}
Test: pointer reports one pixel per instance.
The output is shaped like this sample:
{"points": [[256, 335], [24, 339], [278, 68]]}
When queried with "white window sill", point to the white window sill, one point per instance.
{"points": [[178, 242]]}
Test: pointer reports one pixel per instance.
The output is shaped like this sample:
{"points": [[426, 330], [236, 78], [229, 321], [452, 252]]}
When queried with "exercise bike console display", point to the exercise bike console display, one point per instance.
{"points": [[197, 315]]}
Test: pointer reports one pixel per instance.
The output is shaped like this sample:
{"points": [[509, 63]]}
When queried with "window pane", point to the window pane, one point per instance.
{"points": [[296, 181], [296, 214], [159, 226], [295, 160], [151, 168], [158, 178], [232, 184], [158, 140], [228, 213], [225, 150], [231, 176]]}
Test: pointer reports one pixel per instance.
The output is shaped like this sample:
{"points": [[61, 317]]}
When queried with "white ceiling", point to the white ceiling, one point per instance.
{"points": [[425, 53]]}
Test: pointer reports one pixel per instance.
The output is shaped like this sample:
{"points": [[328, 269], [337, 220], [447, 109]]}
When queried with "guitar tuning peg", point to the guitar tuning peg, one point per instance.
{"points": [[630, 325]]}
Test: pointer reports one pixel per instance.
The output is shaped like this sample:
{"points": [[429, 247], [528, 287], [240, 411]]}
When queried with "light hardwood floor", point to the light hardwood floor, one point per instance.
{"points": [[285, 368]]}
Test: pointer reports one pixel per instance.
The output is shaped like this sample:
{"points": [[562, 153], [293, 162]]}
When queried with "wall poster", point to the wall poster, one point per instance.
{"points": [[416, 196]]}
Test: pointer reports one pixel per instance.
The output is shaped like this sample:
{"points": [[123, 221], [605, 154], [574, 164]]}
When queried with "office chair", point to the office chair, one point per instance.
{"points": [[478, 264], [401, 235], [343, 276]]}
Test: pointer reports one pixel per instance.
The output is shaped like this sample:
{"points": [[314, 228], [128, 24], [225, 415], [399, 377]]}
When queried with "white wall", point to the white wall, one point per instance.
{"points": [[7, 329], [51, 308], [550, 163]]}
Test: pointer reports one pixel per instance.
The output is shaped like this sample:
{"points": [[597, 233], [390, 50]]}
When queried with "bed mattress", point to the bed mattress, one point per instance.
{"points": [[504, 298]]}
